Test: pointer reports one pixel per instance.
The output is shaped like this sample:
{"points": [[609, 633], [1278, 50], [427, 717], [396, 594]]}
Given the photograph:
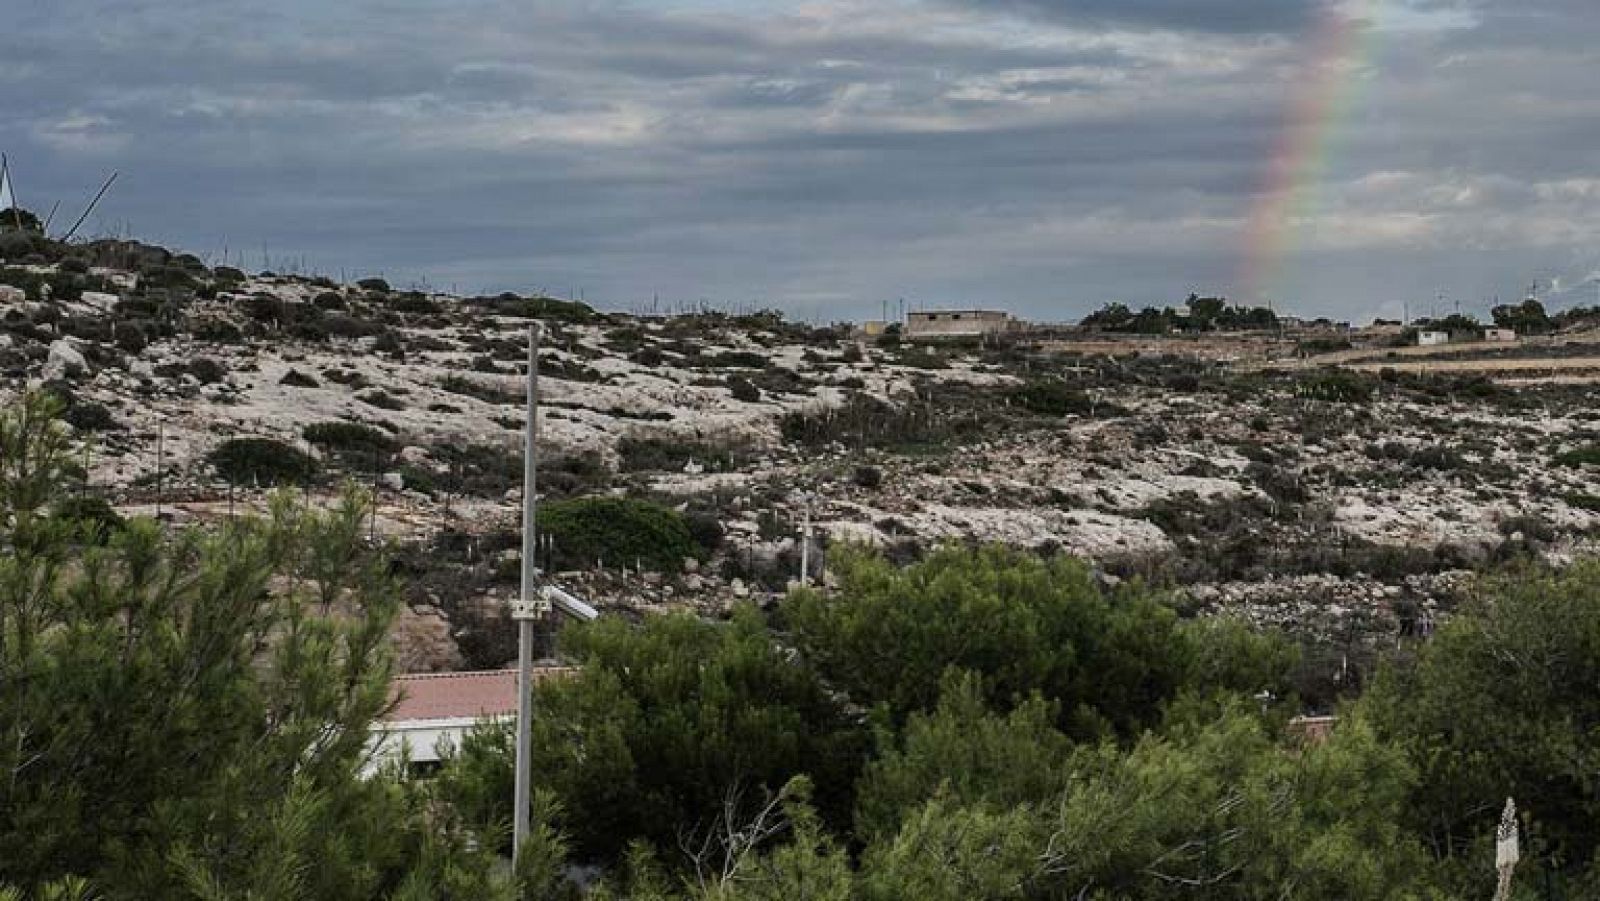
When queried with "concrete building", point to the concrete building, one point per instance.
{"points": [[433, 711], [1500, 335], [937, 324], [1432, 339]]}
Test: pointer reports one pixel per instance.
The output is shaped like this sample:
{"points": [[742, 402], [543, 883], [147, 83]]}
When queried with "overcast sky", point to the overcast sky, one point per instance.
{"points": [[1044, 156]]}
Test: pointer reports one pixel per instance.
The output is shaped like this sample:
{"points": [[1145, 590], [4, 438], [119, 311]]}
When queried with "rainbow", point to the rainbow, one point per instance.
{"points": [[1286, 200]]}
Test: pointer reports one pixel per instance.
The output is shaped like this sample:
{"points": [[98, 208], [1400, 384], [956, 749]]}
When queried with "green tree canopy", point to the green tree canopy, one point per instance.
{"points": [[672, 721], [185, 715], [1503, 703], [1022, 625]]}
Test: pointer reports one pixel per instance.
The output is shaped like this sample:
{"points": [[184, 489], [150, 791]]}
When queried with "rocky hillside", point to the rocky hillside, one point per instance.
{"points": [[683, 452]]}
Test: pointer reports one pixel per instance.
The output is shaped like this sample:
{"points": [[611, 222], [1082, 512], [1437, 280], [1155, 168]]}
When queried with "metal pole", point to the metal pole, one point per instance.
{"points": [[805, 546], [161, 464], [526, 613]]}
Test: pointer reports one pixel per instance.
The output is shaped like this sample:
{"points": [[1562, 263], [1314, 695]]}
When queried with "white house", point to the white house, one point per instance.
{"points": [[1500, 335], [433, 711], [936, 324], [1432, 339]]}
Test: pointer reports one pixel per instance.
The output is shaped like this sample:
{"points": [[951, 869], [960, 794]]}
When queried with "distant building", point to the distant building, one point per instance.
{"points": [[1432, 339], [436, 710], [1312, 730], [936, 324], [1502, 335], [872, 328]]}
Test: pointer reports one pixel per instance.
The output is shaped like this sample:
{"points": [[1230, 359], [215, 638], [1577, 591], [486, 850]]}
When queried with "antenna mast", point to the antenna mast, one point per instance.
{"points": [[11, 191], [92, 204]]}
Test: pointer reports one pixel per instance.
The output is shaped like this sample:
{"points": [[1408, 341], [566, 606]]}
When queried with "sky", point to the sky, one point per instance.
{"points": [[1348, 158]]}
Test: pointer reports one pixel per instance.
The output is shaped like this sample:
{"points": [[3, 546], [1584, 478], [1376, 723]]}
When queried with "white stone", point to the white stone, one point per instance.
{"points": [[394, 481], [12, 294], [64, 361], [99, 300]]}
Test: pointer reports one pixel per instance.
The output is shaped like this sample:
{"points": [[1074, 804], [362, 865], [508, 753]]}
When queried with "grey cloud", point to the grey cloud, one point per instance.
{"points": [[820, 164], [1232, 16]]}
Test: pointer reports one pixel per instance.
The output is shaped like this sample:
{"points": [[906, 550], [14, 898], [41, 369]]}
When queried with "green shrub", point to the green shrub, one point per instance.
{"points": [[262, 461], [1048, 397], [294, 378], [617, 532], [342, 326], [545, 308], [678, 718], [373, 284], [383, 400], [351, 438], [91, 511], [207, 370], [415, 303], [131, 337], [87, 416], [1338, 386], [1022, 625], [1588, 455], [217, 331], [743, 389], [733, 359], [657, 453], [487, 392]]}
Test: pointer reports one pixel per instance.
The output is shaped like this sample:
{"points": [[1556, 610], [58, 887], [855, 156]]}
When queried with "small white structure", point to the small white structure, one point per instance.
{"points": [[1500, 335], [936, 324], [1432, 339], [433, 711]]}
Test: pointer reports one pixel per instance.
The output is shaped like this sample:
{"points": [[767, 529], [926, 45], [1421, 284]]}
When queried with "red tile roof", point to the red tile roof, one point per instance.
{"points": [[437, 696]]}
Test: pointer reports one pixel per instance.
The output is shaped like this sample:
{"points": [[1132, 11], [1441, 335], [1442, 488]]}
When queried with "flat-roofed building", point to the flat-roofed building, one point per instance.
{"points": [[936, 324]]}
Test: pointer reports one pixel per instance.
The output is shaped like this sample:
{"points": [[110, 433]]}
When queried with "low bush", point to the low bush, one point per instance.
{"points": [[87, 416], [130, 337], [383, 400], [338, 325], [733, 359], [617, 531], [349, 438], [1049, 397], [656, 453], [743, 389], [487, 392], [1337, 386], [217, 331], [207, 370], [545, 308], [1588, 455], [262, 461]]}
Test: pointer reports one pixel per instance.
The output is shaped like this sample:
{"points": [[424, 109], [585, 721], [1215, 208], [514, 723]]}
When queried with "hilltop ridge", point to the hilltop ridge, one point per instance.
{"points": [[1350, 507]]}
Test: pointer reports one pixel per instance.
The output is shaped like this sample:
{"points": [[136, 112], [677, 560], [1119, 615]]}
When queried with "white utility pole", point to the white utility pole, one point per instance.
{"points": [[1507, 851], [530, 607]]}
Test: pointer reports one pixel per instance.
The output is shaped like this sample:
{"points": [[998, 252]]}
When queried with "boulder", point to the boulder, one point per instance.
{"points": [[99, 300], [64, 361], [12, 294]]}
